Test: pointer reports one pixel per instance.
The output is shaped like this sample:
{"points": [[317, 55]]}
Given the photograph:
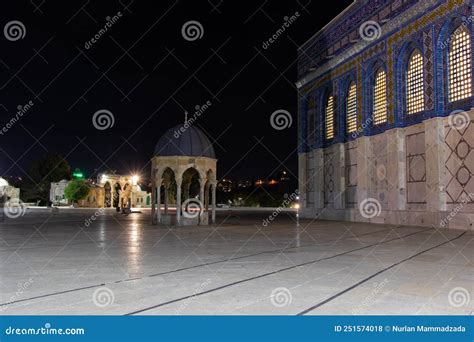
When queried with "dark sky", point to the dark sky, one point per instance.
{"points": [[144, 72]]}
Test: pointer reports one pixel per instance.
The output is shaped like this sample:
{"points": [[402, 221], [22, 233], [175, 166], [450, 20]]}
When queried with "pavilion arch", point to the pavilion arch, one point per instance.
{"points": [[107, 195], [126, 196], [116, 196], [183, 165], [191, 183], [209, 188]]}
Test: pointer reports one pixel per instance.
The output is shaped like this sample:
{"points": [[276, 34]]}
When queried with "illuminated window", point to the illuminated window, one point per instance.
{"points": [[414, 91], [330, 118], [380, 98], [459, 64], [352, 108]]}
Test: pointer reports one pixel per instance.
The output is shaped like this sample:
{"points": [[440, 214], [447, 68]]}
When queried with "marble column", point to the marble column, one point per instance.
{"points": [[339, 176], [153, 204], [396, 169], [302, 172], [201, 200], [363, 155], [206, 197], [178, 202], [318, 178], [213, 203], [158, 209], [436, 197], [166, 198]]}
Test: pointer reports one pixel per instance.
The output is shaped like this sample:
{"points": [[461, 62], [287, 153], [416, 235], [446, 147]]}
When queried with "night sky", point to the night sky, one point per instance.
{"points": [[146, 74]]}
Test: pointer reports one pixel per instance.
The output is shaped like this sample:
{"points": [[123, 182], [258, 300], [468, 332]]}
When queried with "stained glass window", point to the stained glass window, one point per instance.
{"points": [[414, 84], [459, 64], [330, 118], [380, 97], [351, 113]]}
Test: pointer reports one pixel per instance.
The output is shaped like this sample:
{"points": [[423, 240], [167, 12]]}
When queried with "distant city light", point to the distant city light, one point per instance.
{"points": [[225, 185]]}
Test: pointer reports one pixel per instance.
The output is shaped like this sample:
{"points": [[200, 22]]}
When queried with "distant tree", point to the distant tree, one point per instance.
{"points": [[37, 182], [76, 190]]}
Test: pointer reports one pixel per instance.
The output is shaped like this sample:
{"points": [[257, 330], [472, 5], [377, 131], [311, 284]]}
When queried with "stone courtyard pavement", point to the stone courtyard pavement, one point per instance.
{"points": [[76, 262]]}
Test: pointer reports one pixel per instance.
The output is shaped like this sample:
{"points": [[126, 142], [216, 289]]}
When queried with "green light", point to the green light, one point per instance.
{"points": [[78, 174]]}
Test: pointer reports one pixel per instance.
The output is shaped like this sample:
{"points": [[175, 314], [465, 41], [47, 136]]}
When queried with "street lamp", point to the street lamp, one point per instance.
{"points": [[135, 179], [297, 206]]}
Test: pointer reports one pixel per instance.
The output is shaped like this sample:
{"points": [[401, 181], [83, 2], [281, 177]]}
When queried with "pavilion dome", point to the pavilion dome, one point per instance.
{"points": [[184, 142]]}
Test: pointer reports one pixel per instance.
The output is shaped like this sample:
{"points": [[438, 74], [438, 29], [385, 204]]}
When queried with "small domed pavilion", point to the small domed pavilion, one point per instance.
{"points": [[184, 177]]}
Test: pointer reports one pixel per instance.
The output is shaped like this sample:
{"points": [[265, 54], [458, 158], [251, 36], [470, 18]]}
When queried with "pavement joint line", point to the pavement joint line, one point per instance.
{"points": [[265, 275], [179, 270], [327, 300]]}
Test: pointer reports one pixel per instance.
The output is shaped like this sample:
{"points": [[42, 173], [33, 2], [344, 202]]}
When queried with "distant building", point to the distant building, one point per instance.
{"points": [[56, 193], [8, 192], [386, 125], [109, 191]]}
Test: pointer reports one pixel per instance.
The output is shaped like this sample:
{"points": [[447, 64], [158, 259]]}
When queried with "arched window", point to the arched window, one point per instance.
{"points": [[330, 118], [459, 65], [351, 108], [414, 84], [380, 97]]}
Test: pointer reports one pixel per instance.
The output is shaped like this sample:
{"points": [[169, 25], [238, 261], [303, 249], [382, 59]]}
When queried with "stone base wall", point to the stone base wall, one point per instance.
{"points": [[419, 175]]}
